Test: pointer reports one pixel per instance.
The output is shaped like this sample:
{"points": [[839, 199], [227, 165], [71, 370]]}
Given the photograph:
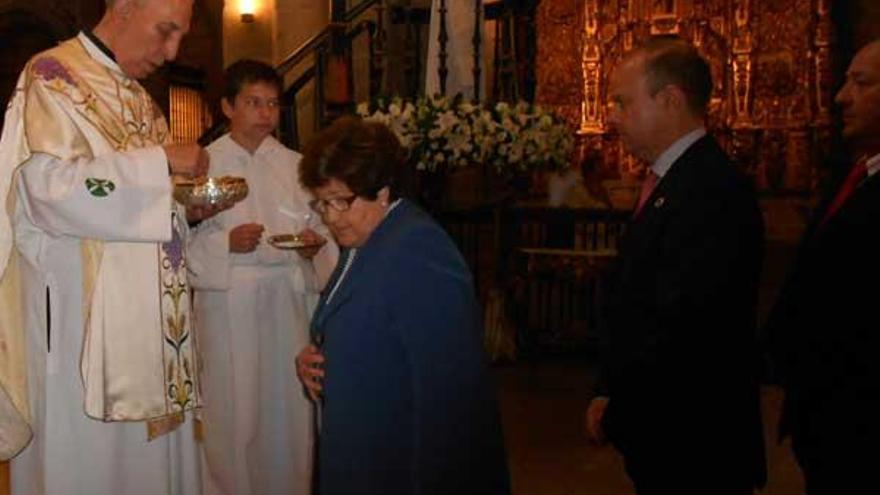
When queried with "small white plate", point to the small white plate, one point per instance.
{"points": [[289, 241]]}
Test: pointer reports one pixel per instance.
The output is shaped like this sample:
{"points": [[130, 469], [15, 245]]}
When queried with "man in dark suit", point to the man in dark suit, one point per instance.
{"points": [[824, 335], [679, 393]]}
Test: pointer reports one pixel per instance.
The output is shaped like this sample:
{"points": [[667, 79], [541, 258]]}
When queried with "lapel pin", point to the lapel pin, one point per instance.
{"points": [[660, 202]]}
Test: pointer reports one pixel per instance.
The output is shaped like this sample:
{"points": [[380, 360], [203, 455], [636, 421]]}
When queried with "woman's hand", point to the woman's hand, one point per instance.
{"points": [[314, 242], [308, 369]]}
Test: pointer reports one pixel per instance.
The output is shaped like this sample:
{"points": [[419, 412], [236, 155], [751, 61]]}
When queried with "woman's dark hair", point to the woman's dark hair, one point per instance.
{"points": [[365, 156]]}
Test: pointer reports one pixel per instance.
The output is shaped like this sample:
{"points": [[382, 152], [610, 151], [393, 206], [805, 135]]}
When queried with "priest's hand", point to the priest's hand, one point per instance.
{"points": [[189, 160], [313, 241], [245, 237], [595, 413], [308, 369], [196, 214]]}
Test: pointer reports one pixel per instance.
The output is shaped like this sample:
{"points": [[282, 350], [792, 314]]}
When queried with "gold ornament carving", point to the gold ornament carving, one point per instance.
{"points": [[771, 64], [591, 112], [560, 52]]}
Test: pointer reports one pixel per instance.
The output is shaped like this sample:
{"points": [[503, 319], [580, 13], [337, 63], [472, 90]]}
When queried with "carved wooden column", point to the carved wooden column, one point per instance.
{"points": [[625, 24], [442, 70], [823, 83], [478, 40], [560, 63], [506, 81], [665, 18], [413, 60], [591, 65], [377, 52], [737, 108], [742, 66]]}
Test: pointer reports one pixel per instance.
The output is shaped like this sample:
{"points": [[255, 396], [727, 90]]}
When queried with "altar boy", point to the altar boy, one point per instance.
{"points": [[254, 301]]}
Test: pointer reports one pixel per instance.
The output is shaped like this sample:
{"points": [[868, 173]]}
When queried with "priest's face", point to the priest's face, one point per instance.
{"points": [[859, 98], [351, 219], [635, 113], [254, 113], [149, 33]]}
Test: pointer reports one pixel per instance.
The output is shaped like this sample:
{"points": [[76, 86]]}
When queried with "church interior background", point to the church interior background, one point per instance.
{"points": [[772, 64], [776, 66]]}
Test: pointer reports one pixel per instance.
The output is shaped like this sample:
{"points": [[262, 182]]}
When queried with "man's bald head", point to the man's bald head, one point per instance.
{"points": [[859, 98], [144, 34], [658, 93], [669, 60]]}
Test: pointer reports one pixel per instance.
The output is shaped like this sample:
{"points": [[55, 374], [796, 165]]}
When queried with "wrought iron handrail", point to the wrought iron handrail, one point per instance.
{"points": [[337, 35], [310, 59], [508, 54], [350, 15], [309, 47]]}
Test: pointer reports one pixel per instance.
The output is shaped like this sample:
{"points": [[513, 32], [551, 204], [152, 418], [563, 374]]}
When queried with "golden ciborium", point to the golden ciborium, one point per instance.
{"points": [[210, 191]]}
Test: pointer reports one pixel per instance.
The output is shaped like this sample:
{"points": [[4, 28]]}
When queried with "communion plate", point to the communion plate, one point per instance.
{"points": [[289, 241]]}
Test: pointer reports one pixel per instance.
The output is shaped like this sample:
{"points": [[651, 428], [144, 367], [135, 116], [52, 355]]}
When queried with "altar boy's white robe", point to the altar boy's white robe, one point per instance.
{"points": [[252, 313], [93, 274]]}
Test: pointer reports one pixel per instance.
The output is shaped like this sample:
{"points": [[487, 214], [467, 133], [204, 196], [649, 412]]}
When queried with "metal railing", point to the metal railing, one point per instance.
{"points": [[314, 63], [512, 73], [325, 60]]}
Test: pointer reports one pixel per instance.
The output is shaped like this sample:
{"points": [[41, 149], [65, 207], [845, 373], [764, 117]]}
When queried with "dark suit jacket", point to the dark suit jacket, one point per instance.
{"points": [[408, 407], [680, 355], [824, 331]]}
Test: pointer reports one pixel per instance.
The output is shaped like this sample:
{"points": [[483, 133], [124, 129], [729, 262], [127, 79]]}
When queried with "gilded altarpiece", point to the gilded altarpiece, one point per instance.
{"points": [[770, 63]]}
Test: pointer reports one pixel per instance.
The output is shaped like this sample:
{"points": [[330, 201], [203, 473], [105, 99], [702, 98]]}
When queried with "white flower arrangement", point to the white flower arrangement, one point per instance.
{"points": [[442, 132]]}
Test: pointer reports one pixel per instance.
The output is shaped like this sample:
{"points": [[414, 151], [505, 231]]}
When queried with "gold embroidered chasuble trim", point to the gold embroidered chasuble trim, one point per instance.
{"points": [[67, 82]]}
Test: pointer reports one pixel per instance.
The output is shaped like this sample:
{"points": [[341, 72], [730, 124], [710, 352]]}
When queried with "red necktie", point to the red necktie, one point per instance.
{"points": [[648, 186], [856, 176]]}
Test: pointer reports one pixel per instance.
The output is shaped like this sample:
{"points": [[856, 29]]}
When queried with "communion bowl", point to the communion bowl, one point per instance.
{"points": [[210, 191]]}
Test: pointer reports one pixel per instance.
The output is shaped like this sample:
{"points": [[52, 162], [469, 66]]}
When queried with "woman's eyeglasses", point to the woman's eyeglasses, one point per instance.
{"points": [[337, 204]]}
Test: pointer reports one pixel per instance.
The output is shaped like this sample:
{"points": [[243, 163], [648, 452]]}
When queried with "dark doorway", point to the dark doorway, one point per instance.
{"points": [[22, 35]]}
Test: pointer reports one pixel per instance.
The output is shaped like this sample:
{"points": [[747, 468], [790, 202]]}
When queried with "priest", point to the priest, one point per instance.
{"points": [[97, 363]]}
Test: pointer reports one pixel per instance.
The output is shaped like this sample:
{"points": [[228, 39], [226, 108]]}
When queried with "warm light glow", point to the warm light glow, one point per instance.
{"points": [[247, 7]]}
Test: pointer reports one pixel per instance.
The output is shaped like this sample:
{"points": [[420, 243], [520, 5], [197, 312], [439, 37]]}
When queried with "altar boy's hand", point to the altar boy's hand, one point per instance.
{"points": [[314, 242], [309, 371], [245, 237]]}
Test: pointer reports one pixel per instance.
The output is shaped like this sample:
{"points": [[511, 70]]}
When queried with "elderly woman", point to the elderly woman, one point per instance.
{"points": [[397, 366]]}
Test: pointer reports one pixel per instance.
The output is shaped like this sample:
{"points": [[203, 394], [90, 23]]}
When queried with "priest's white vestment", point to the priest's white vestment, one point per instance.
{"points": [[252, 317], [95, 342]]}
